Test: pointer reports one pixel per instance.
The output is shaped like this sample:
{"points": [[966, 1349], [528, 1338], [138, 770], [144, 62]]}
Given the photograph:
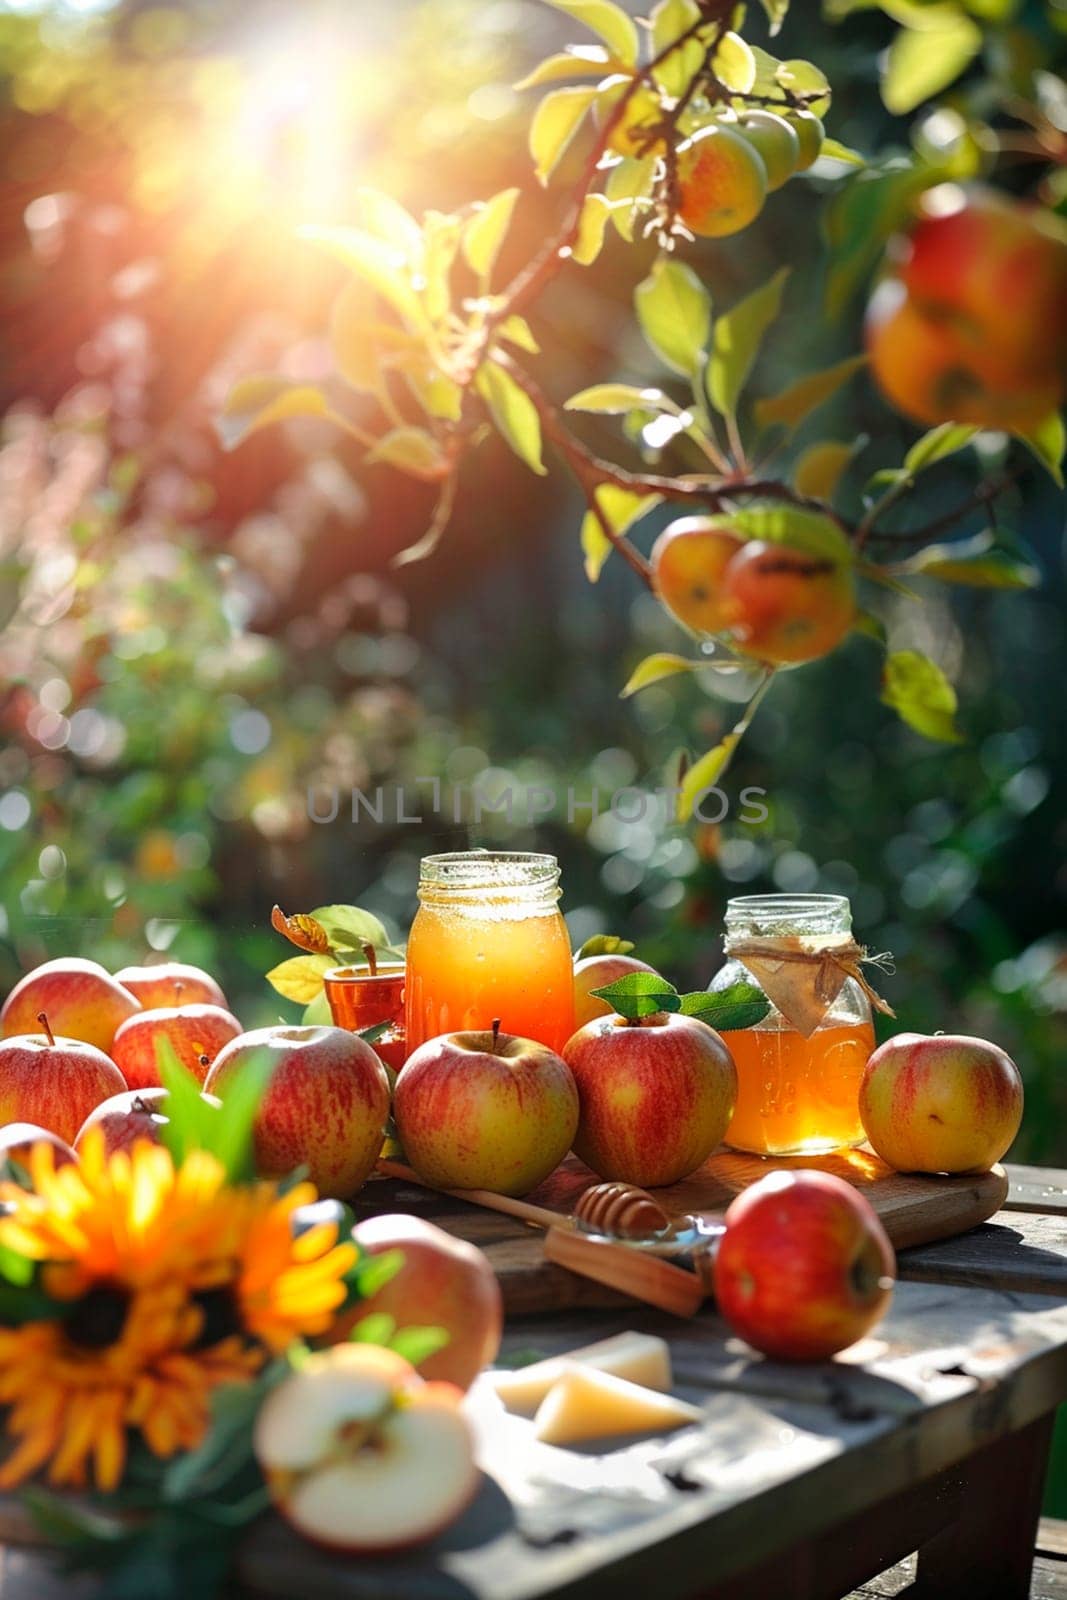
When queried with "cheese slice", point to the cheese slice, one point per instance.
{"points": [[584, 1404], [640, 1357]]}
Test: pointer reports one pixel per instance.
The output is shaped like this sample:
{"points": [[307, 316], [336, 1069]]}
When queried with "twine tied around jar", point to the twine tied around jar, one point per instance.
{"points": [[803, 977]]}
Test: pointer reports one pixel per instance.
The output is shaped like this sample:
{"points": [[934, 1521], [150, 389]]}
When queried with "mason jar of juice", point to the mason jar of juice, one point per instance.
{"points": [[799, 1070], [489, 942]]}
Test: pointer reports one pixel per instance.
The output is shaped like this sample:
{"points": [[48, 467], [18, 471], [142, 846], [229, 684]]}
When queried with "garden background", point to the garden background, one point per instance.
{"points": [[194, 640]]}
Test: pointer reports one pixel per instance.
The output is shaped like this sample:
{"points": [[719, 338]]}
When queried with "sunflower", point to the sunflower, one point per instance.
{"points": [[166, 1282]]}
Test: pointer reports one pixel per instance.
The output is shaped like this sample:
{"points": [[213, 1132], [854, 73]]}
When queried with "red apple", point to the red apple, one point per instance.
{"points": [[594, 972], [17, 1139], [360, 1455], [945, 1103], [804, 1268], [53, 1081], [81, 999], [193, 1032], [125, 1118], [325, 1106], [172, 983], [444, 1283], [656, 1096], [485, 1111]]}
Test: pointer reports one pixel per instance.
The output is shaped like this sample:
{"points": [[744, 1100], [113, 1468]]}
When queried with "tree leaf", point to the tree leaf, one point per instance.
{"points": [[640, 994], [417, 1343], [834, 150], [805, 78], [301, 930], [795, 404], [485, 232], [975, 563], [443, 234], [255, 403], [1047, 442], [776, 13], [513, 412], [819, 471], [555, 122], [349, 928], [413, 450], [605, 944], [654, 668], [734, 64], [940, 442], [810, 531], [671, 19], [615, 399], [704, 774], [629, 183], [389, 220], [300, 978], [381, 265], [736, 339], [577, 61], [517, 331], [674, 310], [922, 62], [921, 695], [622, 508], [865, 209], [608, 22], [592, 226], [740, 1005]]}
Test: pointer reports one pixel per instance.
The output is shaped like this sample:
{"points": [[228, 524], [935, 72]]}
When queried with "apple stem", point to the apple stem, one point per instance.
{"points": [[179, 989], [46, 1025], [496, 1034], [372, 959]]}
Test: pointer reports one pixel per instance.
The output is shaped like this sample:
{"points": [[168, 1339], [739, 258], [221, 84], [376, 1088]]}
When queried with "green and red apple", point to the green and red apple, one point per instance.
{"points": [[196, 1033], [54, 1082], [941, 1103], [172, 983], [81, 999], [125, 1118], [594, 972]]}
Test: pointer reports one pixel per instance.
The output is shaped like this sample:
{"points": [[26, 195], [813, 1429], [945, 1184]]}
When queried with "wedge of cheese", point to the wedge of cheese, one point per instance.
{"points": [[640, 1357], [585, 1404]]}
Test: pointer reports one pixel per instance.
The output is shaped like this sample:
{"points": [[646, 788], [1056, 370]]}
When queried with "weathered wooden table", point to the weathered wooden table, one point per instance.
{"points": [[801, 1484]]}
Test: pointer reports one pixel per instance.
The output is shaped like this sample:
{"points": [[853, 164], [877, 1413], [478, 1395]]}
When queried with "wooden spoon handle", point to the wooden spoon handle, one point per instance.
{"points": [[537, 1216], [644, 1277]]}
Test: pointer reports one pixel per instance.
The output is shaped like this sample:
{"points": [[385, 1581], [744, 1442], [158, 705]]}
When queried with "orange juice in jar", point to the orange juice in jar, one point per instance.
{"points": [[489, 942], [798, 1086]]}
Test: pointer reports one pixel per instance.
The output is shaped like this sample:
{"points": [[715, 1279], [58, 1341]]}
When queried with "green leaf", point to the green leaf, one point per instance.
{"points": [[674, 310], [616, 399], [639, 994], [622, 508], [818, 472], [776, 13], [443, 233], [741, 1005], [555, 122], [736, 339], [922, 62], [376, 1328], [605, 944], [577, 61], [975, 563], [417, 1344], [255, 403], [414, 450], [810, 531], [654, 668], [485, 232], [795, 404], [388, 220], [734, 64], [834, 150], [381, 265], [513, 412], [940, 442], [921, 695], [300, 978], [591, 229], [349, 928], [704, 774], [608, 22], [865, 209], [372, 1273], [1048, 441], [517, 331], [670, 20], [629, 183], [805, 78]]}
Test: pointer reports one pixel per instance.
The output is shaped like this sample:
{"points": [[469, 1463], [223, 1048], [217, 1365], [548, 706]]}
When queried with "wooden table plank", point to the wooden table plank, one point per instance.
{"points": [[1019, 1250], [783, 1455], [1037, 1189]]}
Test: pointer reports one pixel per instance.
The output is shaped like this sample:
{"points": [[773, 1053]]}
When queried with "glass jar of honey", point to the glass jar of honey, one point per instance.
{"points": [[360, 998], [489, 942], [799, 1069]]}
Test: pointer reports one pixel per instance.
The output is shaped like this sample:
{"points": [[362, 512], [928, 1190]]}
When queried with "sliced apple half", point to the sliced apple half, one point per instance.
{"points": [[361, 1456]]}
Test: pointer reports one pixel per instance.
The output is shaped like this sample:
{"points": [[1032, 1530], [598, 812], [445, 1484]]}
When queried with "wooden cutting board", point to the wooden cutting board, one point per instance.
{"points": [[914, 1210]]}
